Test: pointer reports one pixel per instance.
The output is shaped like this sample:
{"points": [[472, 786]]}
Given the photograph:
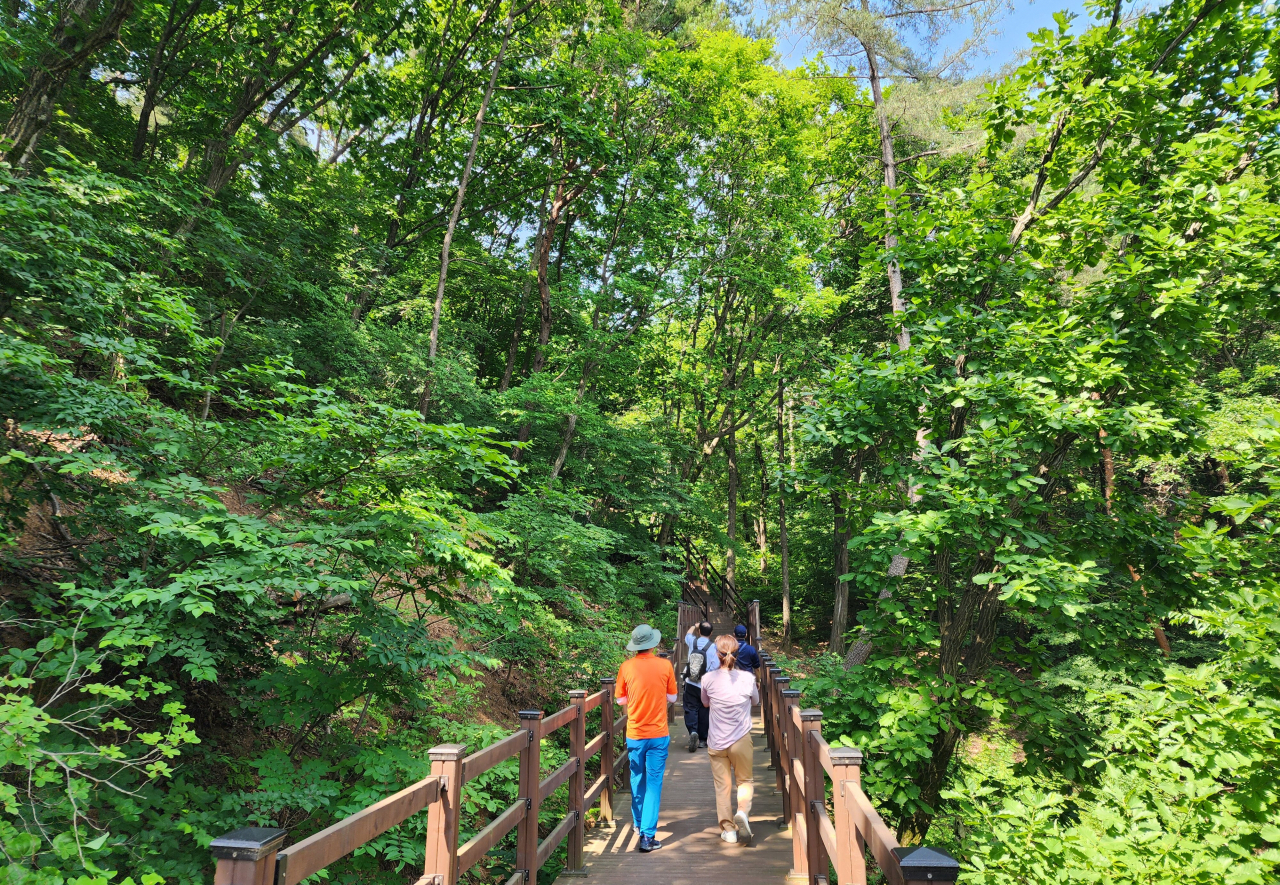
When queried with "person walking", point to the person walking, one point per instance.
{"points": [[748, 657], [646, 684], [702, 660], [730, 691]]}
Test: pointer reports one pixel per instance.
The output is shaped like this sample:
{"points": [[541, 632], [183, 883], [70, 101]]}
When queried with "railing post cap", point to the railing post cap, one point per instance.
{"points": [[810, 715], [447, 752], [531, 714], [846, 756], [791, 692], [248, 843], [578, 693], [756, 601], [608, 680], [774, 670], [923, 864]]}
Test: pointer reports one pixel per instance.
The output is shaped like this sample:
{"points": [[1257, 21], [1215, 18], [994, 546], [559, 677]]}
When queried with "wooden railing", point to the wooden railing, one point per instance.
{"points": [[706, 588], [254, 855], [803, 763]]}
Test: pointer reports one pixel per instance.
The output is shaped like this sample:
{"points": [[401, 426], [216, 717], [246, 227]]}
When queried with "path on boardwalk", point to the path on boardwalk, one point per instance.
{"points": [[692, 852]]}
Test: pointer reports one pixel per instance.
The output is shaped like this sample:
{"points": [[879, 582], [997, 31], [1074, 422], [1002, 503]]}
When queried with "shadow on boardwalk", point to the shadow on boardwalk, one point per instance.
{"points": [[692, 852]]}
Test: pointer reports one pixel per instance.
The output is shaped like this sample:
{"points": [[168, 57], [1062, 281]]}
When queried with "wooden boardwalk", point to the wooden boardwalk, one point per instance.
{"points": [[692, 852]]}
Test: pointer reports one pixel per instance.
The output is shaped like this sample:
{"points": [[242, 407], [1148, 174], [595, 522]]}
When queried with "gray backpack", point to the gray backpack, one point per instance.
{"points": [[697, 661]]}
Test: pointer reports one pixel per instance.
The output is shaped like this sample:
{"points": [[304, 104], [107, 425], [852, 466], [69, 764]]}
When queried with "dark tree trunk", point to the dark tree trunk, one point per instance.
{"points": [[782, 527], [731, 452], [176, 23], [762, 536], [840, 541], [75, 40], [462, 191]]}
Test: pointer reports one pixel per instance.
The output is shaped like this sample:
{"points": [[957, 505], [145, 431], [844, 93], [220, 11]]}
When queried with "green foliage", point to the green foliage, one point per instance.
{"points": [[1184, 783], [273, 521]]}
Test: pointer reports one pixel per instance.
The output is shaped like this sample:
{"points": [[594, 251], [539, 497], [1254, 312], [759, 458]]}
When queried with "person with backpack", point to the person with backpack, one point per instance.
{"points": [[702, 660], [729, 692]]}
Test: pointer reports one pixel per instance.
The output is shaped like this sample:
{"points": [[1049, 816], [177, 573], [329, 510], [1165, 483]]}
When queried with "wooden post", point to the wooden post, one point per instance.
{"points": [[754, 623], [793, 798], [530, 775], [851, 856], [247, 856], [671, 708], [443, 816], [778, 751], [767, 673], [607, 753], [815, 793], [922, 865], [577, 781]]}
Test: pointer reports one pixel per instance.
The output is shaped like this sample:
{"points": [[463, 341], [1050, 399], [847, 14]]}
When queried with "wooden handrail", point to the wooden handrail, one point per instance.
{"points": [[594, 792], [826, 830], [559, 720], [557, 778], [253, 856], [555, 837], [479, 844], [482, 760], [804, 761], [316, 852], [823, 751], [880, 838]]}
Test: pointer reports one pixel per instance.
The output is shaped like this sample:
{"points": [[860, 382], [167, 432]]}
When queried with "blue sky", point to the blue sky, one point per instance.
{"points": [[1027, 15]]}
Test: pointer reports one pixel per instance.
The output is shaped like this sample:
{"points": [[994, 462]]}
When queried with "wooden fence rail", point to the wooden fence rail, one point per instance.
{"points": [[256, 856], [804, 763]]}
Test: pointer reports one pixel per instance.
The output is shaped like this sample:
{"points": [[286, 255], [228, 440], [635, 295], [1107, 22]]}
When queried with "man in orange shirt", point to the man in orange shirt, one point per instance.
{"points": [[646, 684]]}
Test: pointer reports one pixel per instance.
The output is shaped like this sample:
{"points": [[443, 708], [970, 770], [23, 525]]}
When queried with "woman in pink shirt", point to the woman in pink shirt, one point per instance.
{"points": [[730, 692]]}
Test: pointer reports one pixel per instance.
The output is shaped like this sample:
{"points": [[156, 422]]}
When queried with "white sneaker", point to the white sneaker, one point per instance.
{"points": [[730, 836], [744, 833]]}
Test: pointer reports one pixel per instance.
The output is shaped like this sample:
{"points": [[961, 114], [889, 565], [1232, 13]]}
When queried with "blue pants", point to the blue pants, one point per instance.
{"points": [[648, 765]]}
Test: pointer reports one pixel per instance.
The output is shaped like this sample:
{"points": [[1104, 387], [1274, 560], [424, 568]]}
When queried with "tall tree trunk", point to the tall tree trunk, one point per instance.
{"points": [[563, 199], [514, 348], [462, 186], [782, 527], [731, 452], [890, 163], [861, 650], [570, 426], [762, 536], [840, 540], [74, 42], [176, 22], [224, 335]]}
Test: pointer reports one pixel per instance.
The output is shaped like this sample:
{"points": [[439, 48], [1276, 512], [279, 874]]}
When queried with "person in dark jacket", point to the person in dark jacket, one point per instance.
{"points": [[748, 657]]}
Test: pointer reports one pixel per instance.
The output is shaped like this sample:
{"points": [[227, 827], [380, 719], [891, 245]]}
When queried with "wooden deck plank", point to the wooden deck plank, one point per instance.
{"points": [[692, 852]]}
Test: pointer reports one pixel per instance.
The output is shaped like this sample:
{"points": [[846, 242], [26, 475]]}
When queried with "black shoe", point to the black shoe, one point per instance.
{"points": [[693, 741], [702, 744], [648, 843]]}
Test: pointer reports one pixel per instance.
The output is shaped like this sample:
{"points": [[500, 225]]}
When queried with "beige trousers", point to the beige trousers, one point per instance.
{"points": [[726, 765]]}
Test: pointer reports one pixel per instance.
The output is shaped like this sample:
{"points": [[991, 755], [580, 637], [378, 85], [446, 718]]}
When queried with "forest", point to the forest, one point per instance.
{"points": [[368, 369]]}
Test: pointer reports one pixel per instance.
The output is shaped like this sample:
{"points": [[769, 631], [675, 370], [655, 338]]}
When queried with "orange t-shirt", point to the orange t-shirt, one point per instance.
{"points": [[645, 681]]}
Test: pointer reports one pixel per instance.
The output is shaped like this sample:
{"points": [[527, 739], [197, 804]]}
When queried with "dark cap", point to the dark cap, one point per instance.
{"points": [[740, 631]]}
